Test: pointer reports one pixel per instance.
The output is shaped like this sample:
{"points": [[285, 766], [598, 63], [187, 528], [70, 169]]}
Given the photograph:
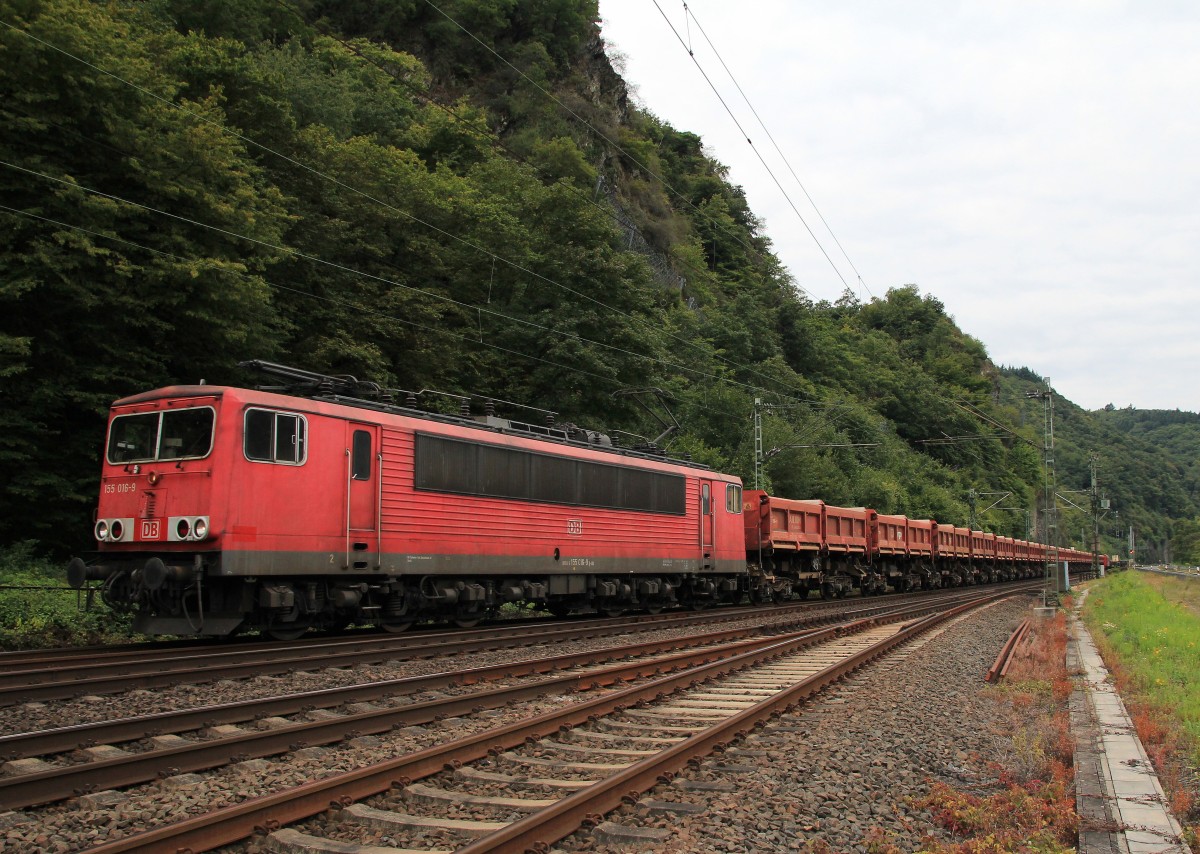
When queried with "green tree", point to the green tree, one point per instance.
{"points": [[104, 294]]}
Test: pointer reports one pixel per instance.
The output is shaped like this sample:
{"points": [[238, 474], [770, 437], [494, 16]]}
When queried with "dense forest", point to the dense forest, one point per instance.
{"points": [[463, 196]]}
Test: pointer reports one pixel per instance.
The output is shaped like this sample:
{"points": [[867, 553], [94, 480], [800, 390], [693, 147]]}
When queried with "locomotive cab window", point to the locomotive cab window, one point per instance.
{"points": [[360, 459], [174, 434], [275, 437], [733, 498]]}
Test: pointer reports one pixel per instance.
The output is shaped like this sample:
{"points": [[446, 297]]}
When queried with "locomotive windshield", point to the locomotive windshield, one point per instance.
{"points": [[177, 434]]}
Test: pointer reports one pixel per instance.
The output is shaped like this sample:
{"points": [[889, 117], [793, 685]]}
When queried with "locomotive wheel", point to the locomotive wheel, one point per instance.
{"points": [[466, 617], [397, 615], [288, 631]]}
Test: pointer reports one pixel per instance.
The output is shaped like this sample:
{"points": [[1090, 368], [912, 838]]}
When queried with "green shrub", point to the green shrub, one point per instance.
{"points": [[49, 614]]}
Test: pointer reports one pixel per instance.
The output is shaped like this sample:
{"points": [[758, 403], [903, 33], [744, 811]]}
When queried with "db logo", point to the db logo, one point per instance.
{"points": [[575, 527], [150, 529]]}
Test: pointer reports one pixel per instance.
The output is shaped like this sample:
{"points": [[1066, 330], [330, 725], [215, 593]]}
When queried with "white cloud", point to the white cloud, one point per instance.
{"points": [[1031, 164]]}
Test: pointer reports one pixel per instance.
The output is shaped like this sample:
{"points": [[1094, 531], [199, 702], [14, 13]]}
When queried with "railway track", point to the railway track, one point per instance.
{"points": [[767, 675], [43, 675], [213, 739], [62, 675]]}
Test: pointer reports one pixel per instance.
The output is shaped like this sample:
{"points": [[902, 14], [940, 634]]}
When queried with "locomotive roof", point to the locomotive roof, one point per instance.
{"points": [[488, 424], [172, 391]]}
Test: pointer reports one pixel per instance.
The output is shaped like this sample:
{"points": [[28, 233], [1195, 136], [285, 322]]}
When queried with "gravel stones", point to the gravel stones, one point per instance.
{"points": [[831, 772], [845, 769]]}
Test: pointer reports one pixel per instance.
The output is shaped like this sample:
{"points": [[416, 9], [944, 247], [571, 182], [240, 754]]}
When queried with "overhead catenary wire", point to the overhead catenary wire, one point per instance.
{"points": [[690, 15], [955, 440], [753, 147], [566, 185], [684, 369], [617, 146], [687, 46], [337, 182], [363, 309], [831, 415], [313, 170], [381, 279], [973, 410]]}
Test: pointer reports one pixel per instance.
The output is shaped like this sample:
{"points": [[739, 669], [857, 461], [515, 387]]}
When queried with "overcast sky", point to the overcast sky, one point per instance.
{"points": [[1033, 165]]}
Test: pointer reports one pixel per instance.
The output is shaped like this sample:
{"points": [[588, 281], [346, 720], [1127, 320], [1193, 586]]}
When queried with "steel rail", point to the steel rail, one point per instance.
{"points": [[33, 659], [541, 829], [109, 679], [58, 684], [36, 660], [61, 739], [268, 812], [62, 782], [51, 681], [999, 668], [136, 659], [42, 742]]}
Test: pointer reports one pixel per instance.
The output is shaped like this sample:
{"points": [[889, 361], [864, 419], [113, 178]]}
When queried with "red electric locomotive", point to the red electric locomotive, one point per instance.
{"points": [[223, 509]]}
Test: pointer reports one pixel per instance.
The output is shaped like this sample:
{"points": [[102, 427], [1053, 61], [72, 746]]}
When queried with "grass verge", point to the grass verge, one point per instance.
{"points": [[1147, 628]]}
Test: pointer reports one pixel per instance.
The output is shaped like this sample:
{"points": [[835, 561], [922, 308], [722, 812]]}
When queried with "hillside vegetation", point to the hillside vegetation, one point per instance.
{"points": [[461, 197]]}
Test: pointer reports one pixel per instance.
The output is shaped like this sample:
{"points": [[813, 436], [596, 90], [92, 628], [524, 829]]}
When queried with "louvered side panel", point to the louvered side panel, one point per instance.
{"points": [[421, 521]]}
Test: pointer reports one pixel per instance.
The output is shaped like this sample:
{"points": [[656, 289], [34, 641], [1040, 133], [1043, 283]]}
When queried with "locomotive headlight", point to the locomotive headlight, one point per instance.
{"points": [[116, 530], [200, 529], [102, 530], [183, 528]]}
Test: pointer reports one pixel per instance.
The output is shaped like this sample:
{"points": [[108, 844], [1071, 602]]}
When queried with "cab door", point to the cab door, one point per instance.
{"points": [[707, 526], [362, 493]]}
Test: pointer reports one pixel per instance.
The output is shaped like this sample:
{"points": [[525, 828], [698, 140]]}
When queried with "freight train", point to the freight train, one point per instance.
{"points": [[323, 502]]}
